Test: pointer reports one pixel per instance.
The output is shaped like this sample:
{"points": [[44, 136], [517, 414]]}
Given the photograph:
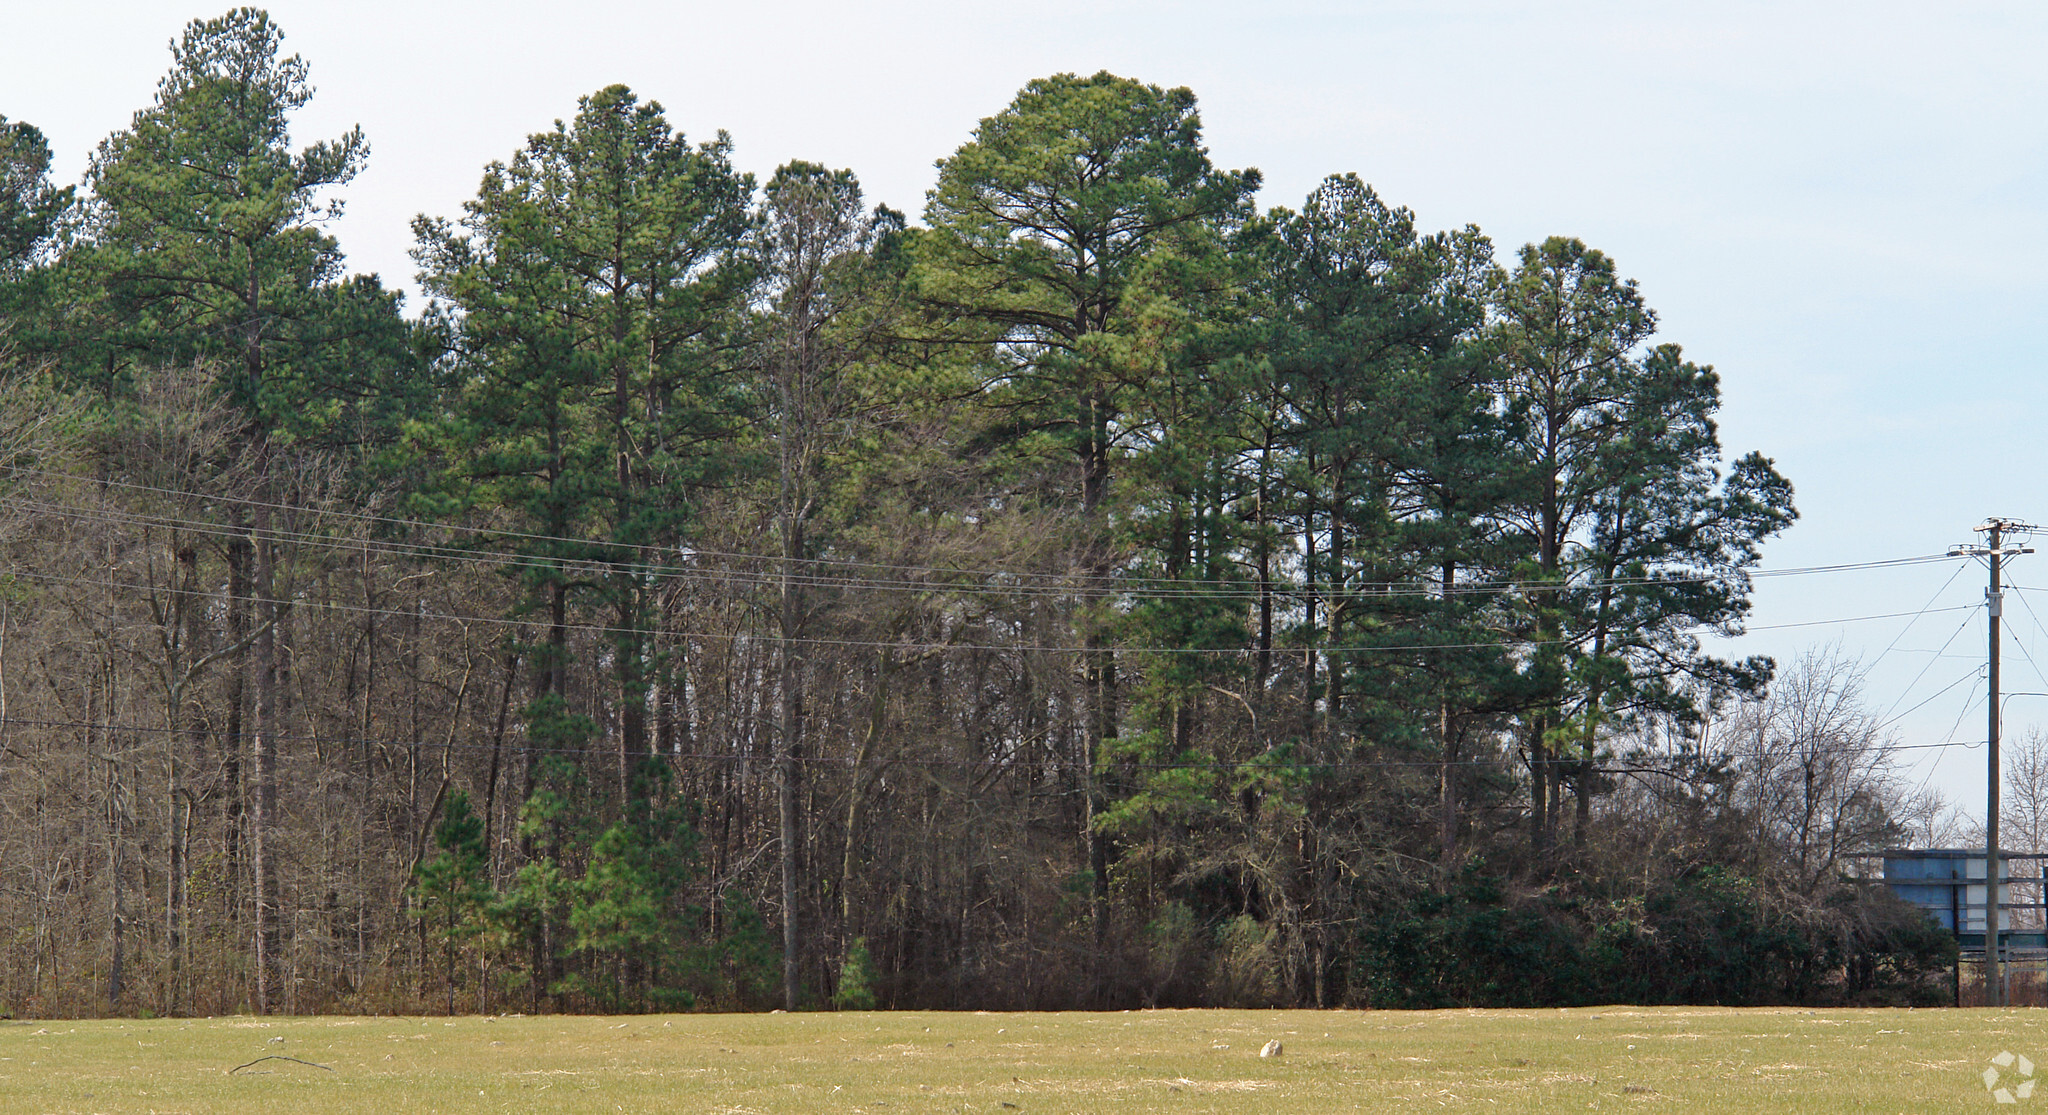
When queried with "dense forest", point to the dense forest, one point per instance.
{"points": [[1098, 591]]}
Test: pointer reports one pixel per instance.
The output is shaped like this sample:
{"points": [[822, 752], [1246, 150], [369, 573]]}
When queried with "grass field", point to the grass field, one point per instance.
{"points": [[1726, 1062]]}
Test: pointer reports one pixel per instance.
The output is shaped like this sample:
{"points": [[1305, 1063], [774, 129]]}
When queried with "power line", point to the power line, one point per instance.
{"points": [[873, 644], [1020, 584], [1858, 619], [1924, 609], [1888, 718], [764, 637], [1972, 675], [1064, 582], [2029, 655], [1274, 758]]}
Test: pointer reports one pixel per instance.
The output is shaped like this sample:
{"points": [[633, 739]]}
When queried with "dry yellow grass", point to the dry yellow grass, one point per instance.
{"points": [[1727, 1062]]}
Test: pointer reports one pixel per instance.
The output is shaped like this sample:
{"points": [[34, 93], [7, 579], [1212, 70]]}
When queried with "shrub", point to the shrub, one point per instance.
{"points": [[856, 979]]}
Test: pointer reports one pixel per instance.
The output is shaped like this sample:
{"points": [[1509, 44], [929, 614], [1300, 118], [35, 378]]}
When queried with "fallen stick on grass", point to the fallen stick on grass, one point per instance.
{"points": [[276, 1057]]}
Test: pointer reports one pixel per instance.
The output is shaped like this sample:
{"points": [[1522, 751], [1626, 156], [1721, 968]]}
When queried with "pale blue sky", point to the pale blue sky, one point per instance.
{"points": [[1843, 207]]}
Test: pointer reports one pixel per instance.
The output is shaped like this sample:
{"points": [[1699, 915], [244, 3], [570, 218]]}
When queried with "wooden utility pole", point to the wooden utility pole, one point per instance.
{"points": [[1994, 529]]}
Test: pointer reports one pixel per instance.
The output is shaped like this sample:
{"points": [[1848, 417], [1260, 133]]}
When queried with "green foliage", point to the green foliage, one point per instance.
{"points": [[597, 278], [1615, 468], [1701, 938], [1468, 948], [855, 987], [29, 204], [602, 911], [1176, 947], [822, 338], [599, 282], [1246, 971], [452, 891], [1047, 233], [627, 907], [1896, 955], [744, 965], [1279, 557], [202, 231]]}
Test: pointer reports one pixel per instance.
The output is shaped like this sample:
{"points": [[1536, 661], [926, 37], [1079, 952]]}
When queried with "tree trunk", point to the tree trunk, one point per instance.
{"points": [[790, 728], [117, 870], [1539, 785], [234, 792], [263, 764], [878, 706]]}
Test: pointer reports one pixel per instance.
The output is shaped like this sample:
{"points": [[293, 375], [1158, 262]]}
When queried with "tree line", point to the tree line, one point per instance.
{"points": [[729, 593]]}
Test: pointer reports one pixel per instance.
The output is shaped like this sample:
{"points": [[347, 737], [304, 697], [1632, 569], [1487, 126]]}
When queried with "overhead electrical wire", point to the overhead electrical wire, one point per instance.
{"points": [[1063, 584], [770, 637], [1887, 719], [1924, 610], [1016, 584], [1936, 656], [1857, 619], [1967, 745], [2024, 652], [1024, 580], [1273, 758], [1972, 675], [669, 551]]}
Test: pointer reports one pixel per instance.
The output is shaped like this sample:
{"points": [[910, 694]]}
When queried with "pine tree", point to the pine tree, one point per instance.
{"points": [[598, 284], [1042, 230], [452, 891], [201, 240], [1635, 538]]}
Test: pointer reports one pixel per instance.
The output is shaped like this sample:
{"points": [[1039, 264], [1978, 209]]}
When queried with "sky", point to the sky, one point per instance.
{"points": [[1843, 207]]}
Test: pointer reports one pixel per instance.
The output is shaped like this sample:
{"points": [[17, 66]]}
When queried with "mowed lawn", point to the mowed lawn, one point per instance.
{"points": [[1724, 1062]]}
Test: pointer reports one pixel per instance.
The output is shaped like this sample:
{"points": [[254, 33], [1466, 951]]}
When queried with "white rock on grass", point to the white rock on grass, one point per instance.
{"points": [[1270, 1049]]}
